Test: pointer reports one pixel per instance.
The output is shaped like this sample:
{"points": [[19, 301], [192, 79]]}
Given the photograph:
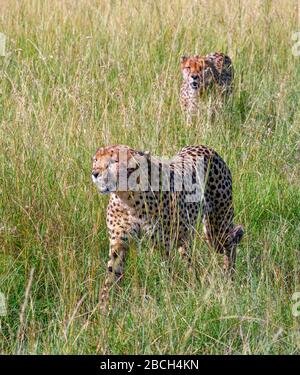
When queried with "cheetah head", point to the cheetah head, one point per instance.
{"points": [[195, 71], [113, 166]]}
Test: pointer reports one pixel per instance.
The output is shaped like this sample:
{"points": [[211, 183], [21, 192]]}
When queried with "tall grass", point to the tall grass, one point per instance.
{"points": [[79, 75]]}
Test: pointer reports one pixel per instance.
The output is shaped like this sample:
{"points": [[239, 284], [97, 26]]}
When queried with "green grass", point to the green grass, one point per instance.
{"points": [[79, 75]]}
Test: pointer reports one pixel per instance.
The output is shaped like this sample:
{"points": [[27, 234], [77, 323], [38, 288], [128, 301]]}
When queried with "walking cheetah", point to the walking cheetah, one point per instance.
{"points": [[200, 73], [163, 199]]}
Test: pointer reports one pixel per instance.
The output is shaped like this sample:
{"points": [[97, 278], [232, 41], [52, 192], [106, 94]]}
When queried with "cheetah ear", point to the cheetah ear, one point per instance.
{"points": [[122, 153], [139, 158], [209, 62], [183, 58], [145, 154]]}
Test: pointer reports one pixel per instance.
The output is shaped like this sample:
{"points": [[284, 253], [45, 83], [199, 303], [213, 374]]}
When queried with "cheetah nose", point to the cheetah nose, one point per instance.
{"points": [[95, 174], [194, 77]]}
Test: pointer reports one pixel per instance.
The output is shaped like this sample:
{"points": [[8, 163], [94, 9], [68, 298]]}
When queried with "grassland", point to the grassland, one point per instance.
{"points": [[78, 75]]}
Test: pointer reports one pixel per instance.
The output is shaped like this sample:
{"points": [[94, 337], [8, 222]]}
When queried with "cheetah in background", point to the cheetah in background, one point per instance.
{"points": [[161, 210], [201, 73]]}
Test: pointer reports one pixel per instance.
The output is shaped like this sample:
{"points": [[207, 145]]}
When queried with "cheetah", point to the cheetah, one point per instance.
{"points": [[200, 73], [163, 199]]}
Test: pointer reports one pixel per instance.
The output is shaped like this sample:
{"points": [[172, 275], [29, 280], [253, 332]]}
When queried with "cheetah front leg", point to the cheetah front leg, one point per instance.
{"points": [[117, 252], [184, 255]]}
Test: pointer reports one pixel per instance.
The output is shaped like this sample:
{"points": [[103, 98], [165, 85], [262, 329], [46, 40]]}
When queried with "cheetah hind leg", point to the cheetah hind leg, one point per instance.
{"points": [[235, 236], [185, 256]]}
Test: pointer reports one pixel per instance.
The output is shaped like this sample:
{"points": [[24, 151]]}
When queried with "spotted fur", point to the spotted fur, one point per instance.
{"points": [[168, 217], [201, 73]]}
